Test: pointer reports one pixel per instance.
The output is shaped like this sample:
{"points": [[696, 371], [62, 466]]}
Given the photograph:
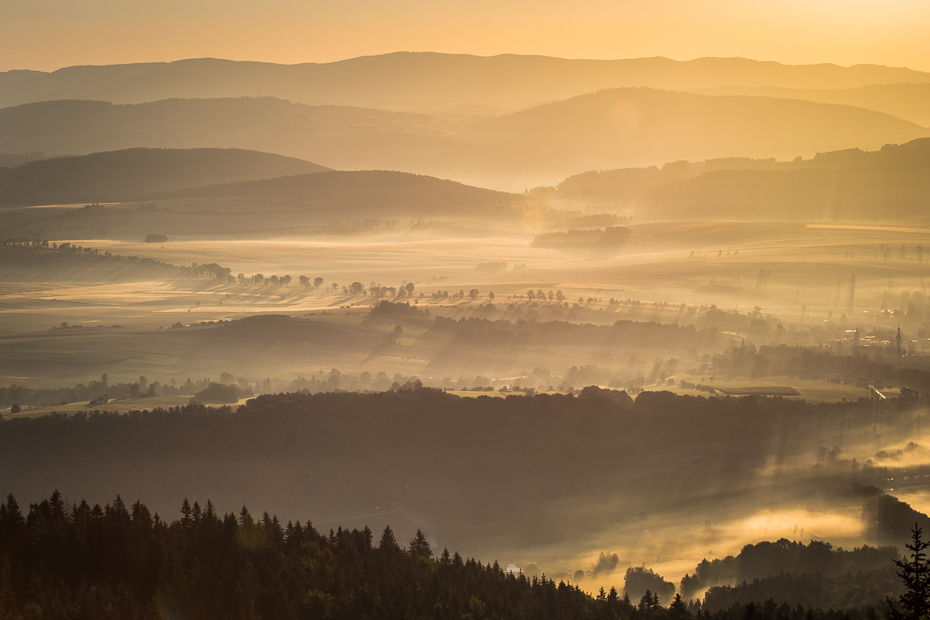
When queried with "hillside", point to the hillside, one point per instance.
{"points": [[119, 175], [370, 193], [343, 137], [417, 81], [910, 102], [639, 124], [891, 182]]}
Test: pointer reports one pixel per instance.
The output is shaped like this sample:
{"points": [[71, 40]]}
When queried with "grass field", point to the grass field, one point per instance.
{"points": [[787, 387], [120, 405]]}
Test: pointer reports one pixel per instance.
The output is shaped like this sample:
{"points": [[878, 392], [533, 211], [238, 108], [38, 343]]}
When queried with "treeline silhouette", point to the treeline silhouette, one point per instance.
{"points": [[863, 365], [852, 591], [786, 557], [118, 561], [622, 333], [609, 239], [42, 255], [122, 562]]}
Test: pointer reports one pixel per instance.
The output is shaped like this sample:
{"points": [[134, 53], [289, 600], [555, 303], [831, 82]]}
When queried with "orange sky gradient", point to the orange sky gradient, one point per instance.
{"points": [[49, 34]]}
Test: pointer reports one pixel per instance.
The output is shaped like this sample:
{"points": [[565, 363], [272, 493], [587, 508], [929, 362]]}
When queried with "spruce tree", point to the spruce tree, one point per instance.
{"points": [[915, 572], [388, 542]]}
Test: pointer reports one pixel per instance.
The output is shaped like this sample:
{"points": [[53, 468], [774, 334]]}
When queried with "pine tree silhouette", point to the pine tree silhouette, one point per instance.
{"points": [[915, 573]]}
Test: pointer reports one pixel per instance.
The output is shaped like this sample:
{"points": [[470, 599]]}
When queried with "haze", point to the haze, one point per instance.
{"points": [[50, 34], [600, 292]]}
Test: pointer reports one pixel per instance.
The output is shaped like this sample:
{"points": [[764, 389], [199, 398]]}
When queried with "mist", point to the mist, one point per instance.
{"points": [[629, 324]]}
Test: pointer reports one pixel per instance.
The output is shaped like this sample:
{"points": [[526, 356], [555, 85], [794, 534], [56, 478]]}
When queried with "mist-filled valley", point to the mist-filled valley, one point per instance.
{"points": [[655, 331]]}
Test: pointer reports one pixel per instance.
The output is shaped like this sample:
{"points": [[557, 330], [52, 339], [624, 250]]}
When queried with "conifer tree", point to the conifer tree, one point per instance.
{"points": [[388, 542], [915, 573], [678, 609]]}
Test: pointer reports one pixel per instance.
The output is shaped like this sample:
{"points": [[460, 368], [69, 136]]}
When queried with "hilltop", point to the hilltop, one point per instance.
{"points": [[120, 175]]}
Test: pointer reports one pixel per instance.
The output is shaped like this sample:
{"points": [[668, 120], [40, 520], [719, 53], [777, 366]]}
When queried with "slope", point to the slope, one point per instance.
{"points": [[367, 193], [910, 102], [118, 175], [343, 137], [637, 125], [889, 184]]}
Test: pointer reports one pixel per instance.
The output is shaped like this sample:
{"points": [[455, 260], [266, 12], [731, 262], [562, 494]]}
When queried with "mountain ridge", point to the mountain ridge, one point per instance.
{"points": [[425, 80]]}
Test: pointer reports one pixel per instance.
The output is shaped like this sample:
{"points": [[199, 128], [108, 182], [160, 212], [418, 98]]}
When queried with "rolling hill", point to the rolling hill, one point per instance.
{"points": [[892, 183], [367, 193], [418, 81], [125, 174], [910, 102], [603, 130], [634, 125]]}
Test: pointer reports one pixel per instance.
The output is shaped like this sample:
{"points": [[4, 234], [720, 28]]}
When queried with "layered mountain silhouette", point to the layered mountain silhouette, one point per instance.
{"points": [[608, 129], [418, 81]]}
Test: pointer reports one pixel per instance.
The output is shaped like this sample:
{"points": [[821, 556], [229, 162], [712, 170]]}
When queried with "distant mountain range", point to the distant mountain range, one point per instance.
{"points": [[427, 81], [127, 174], [607, 129]]}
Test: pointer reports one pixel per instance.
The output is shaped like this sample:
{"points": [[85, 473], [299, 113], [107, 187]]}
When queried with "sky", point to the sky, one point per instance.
{"points": [[50, 34]]}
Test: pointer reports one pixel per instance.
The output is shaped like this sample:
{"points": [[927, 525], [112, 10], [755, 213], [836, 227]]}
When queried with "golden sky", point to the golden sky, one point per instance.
{"points": [[49, 34]]}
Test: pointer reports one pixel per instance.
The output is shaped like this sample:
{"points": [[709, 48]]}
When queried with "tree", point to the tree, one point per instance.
{"points": [[648, 603], [915, 573], [15, 408], [317, 281], [304, 281], [388, 542], [678, 609], [473, 294], [419, 546], [491, 296]]}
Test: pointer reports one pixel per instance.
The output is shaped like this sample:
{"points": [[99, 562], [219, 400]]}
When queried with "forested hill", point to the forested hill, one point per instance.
{"points": [[343, 453], [134, 173], [852, 184], [122, 562]]}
